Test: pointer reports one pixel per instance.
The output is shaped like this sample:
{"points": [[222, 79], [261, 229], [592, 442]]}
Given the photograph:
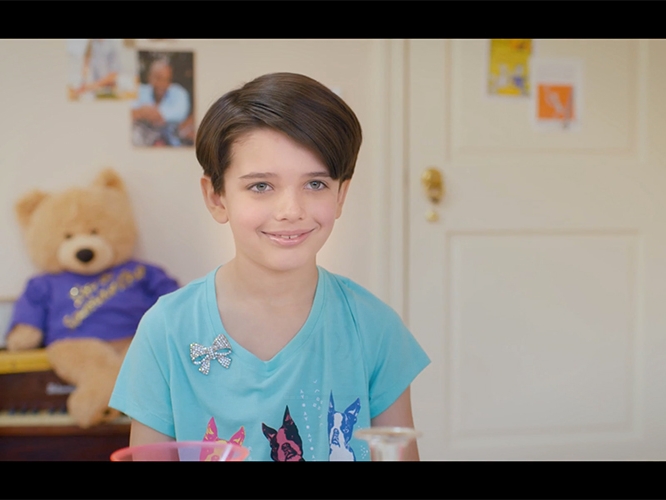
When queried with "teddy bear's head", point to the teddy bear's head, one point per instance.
{"points": [[82, 230]]}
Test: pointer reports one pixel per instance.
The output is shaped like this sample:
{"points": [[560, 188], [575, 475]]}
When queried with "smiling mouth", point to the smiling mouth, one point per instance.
{"points": [[290, 237]]}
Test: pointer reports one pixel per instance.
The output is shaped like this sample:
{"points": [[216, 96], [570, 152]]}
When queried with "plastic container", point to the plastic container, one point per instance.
{"points": [[387, 444], [182, 451]]}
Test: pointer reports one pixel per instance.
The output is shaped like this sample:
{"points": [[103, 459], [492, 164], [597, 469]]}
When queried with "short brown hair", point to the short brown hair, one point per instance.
{"points": [[296, 105]]}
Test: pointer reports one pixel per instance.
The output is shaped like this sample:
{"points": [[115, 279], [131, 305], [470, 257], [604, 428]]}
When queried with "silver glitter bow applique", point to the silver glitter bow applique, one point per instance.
{"points": [[220, 351]]}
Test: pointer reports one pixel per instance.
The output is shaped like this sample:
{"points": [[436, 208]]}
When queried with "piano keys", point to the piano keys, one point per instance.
{"points": [[34, 424]]}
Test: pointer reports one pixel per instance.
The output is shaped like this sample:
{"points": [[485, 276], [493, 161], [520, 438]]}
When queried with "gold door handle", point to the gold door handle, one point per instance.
{"points": [[433, 184]]}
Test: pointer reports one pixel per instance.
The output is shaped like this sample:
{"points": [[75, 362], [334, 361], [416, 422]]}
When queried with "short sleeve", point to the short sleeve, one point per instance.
{"points": [[31, 308], [394, 357], [146, 361]]}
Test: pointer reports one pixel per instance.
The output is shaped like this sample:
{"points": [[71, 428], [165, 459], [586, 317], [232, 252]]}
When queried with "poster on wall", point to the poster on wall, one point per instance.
{"points": [[163, 113], [509, 66], [101, 68], [557, 96]]}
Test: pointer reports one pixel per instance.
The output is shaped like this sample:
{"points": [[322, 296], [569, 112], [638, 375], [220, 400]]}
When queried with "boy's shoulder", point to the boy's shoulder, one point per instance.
{"points": [[347, 285], [359, 298]]}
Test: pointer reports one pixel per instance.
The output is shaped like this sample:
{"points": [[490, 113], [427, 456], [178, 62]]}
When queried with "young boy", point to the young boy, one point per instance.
{"points": [[270, 350]]}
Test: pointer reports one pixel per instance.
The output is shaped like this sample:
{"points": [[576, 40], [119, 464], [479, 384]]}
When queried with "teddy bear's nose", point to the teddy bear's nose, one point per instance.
{"points": [[85, 255]]}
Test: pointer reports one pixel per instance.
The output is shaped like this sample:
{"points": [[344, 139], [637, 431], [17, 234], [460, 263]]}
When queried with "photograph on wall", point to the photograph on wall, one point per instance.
{"points": [[557, 96], [101, 68], [509, 66], [163, 113]]}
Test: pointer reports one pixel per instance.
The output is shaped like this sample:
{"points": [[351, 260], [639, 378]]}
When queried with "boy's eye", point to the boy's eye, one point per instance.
{"points": [[259, 187], [316, 185]]}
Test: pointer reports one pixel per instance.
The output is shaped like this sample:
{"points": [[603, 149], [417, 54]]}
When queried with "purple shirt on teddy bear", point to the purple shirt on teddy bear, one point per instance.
{"points": [[108, 305]]}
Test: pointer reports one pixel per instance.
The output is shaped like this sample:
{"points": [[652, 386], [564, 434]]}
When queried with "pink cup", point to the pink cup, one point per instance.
{"points": [[182, 451]]}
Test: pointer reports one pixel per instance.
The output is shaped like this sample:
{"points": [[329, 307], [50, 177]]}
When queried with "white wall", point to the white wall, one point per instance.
{"points": [[51, 143]]}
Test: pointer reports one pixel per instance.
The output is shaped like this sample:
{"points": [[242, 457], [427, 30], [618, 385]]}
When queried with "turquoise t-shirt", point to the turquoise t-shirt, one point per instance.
{"points": [[350, 361]]}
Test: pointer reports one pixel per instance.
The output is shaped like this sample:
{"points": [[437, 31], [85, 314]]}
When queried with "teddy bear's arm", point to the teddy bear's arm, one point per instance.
{"points": [[22, 337], [29, 316]]}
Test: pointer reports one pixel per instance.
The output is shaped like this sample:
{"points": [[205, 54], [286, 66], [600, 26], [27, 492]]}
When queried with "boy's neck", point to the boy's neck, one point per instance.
{"points": [[246, 281]]}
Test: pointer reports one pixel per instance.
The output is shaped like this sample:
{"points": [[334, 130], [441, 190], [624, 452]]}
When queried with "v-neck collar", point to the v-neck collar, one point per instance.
{"points": [[241, 355]]}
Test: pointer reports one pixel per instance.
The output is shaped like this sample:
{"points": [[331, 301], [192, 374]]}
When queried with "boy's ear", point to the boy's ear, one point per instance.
{"points": [[214, 202], [342, 194]]}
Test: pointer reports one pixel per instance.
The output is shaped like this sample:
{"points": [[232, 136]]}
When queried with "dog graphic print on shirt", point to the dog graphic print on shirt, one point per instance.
{"points": [[212, 454], [286, 444], [340, 430]]}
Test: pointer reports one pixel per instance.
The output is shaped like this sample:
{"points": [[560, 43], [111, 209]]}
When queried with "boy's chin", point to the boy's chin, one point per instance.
{"points": [[288, 265], [285, 268]]}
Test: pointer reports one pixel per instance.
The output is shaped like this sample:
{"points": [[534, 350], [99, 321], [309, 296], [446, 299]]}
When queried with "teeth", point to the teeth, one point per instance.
{"points": [[285, 236]]}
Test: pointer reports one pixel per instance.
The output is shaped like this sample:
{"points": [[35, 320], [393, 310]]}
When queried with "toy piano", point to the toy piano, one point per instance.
{"points": [[34, 424]]}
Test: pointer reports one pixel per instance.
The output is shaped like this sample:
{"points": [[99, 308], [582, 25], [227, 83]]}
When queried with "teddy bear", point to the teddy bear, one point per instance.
{"points": [[86, 303]]}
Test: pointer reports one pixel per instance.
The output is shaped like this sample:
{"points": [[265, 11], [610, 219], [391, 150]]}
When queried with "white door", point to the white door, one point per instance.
{"points": [[540, 292]]}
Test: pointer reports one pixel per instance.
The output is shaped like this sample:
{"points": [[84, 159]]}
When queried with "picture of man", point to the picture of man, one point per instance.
{"points": [[163, 115]]}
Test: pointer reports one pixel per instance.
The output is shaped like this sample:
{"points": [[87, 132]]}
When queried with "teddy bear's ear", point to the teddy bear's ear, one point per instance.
{"points": [[26, 206], [109, 178]]}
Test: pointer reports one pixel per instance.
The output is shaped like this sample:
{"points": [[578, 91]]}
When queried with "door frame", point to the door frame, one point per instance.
{"points": [[395, 180]]}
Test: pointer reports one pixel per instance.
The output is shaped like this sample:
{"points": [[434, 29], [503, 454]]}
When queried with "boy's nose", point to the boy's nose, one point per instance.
{"points": [[290, 206]]}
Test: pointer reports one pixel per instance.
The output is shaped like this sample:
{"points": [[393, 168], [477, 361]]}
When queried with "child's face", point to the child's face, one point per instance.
{"points": [[279, 200]]}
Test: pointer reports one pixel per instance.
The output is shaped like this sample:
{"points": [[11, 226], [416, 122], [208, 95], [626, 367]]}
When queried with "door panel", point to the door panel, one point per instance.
{"points": [[536, 291]]}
